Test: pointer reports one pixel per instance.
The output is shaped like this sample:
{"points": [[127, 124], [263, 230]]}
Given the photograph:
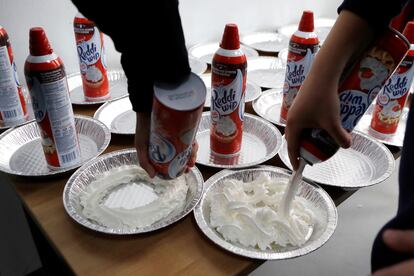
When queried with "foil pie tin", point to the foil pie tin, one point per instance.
{"points": [[85, 175], [367, 162], [271, 42], [268, 106], [21, 151], [205, 51], [322, 28], [261, 141], [118, 116], [197, 66], [118, 87], [252, 92], [324, 227], [267, 72]]}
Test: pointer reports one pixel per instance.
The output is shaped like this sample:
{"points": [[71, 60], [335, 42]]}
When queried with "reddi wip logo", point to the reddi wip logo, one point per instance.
{"points": [[226, 98]]}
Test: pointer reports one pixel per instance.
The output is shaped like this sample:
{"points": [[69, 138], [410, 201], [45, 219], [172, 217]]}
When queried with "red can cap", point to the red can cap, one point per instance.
{"points": [[409, 32], [306, 22], [38, 43], [230, 40]]}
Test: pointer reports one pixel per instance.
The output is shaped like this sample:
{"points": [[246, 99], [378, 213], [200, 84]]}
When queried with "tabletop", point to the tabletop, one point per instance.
{"points": [[178, 249]]}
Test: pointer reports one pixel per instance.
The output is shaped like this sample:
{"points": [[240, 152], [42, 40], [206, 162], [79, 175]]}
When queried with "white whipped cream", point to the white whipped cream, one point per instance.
{"points": [[248, 213], [226, 126], [93, 74], [165, 197]]}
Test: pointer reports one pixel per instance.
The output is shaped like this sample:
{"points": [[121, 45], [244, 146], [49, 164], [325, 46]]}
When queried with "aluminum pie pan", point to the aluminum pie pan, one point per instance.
{"points": [[396, 139], [253, 91], [267, 72], [118, 116], [366, 163], [269, 105], [261, 141], [283, 55], [118, 87], [88, 172], [197, 66], [270, 42], [21, 152], [205, 51], [323, 228], [322, 28]]}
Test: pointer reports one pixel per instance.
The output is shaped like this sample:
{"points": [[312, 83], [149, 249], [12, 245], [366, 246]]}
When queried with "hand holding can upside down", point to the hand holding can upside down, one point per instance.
{"points": [[142, 144]]}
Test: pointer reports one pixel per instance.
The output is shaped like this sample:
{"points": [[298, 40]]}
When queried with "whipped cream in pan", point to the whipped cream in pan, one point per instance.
{"points": [[248, 213], [163, 197]]}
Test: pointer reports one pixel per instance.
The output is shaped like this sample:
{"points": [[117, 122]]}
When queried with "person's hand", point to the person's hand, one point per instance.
{"points": [[401, 241], [316, 106], [317, 103], [142, 132]]}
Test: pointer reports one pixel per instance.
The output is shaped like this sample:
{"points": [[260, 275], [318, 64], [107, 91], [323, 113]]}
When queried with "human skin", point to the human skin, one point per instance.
{"points": [[317, 103]]}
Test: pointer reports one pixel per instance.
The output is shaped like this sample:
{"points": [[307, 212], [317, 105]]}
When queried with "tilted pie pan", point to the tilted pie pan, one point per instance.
{"points": [[367, 162]]}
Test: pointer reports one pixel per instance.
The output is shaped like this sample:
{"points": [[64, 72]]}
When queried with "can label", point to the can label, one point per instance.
{"points": [[12, 103], [53, 111], [358, 88], [91, 52], [362, 87], [227, 107], [299, 62], [175, 116], [391, 100]]}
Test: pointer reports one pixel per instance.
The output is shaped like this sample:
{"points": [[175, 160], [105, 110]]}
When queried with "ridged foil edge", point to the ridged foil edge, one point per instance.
{"points": [[257, 254], [127, 155]]}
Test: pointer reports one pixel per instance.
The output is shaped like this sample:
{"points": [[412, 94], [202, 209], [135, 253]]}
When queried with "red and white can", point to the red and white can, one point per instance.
{"points": [[92, 60], [392, 98], [228, 85], [12, 103], [357, 89], [176, 114], [46, 80], [303, 46]]}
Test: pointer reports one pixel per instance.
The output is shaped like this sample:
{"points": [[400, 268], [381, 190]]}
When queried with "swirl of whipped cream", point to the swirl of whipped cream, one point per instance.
{"points": [[93, 74], [388, 110], [248, 213], [170, 196], [226, 126]]}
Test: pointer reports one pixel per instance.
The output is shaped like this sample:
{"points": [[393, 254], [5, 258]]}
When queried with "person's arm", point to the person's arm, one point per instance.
{"points": [[150, 39], [317, 103], [400, 241]]}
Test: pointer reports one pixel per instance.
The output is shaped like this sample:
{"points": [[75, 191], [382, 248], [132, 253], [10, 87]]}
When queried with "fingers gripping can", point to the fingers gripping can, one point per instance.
{"points": [[46, 80], [176, 114], [92, 60], [392, 98], [358, 88], [228, 85], [12, 103], [303, 46]]}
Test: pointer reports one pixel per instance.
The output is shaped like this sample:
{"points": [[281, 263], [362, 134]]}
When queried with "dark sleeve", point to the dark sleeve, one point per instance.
{"points": [[378, 14], [150, 39]]}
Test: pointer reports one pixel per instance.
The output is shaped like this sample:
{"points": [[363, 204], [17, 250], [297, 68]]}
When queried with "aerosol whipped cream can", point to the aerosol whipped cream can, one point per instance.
{"points": [[357, 89], [228, 85], [92, 61], [46, 80], [303, 46], [392, 98], [176, 114], [12, 103]]}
